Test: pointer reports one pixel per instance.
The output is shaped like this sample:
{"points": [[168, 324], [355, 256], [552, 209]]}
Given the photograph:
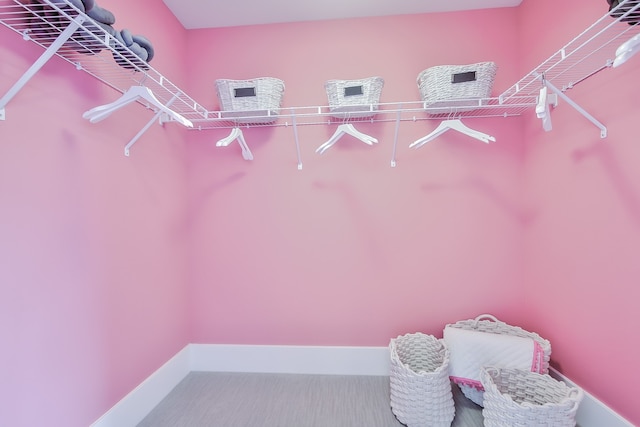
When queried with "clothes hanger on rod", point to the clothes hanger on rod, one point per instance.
{"points": [[342, 130], [133, 94], [236, 134], [543, 111], [452, 124], [626, 50]]}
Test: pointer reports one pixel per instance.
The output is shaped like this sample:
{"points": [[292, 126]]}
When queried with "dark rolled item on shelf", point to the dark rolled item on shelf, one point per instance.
{"points": [[102, 15], [83, 6], [632, 18], [78, 4], [138, 45], [88, 5], [126, 37], [47, 22], [84, 40], [146, 45], [100, 19]]}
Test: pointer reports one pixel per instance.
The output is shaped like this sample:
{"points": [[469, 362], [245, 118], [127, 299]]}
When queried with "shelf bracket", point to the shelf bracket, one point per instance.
{"points": [[295, 135], [157, 117], [395, 139], [603, 128], [40, 62]]}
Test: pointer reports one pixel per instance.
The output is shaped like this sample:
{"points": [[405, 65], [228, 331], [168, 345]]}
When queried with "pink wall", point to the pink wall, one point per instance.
{"points": [[107, 259], [349, 251], [582, 263], [92, 243]]}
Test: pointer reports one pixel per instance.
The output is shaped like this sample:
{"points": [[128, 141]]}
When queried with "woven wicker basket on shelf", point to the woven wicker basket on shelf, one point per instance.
{"points": [[419, 382], [456, 88], [354, 98], [255, 101], [489, 324], [519, 398]]}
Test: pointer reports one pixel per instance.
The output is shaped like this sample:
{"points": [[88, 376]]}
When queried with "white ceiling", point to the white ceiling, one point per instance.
{"points": [[228, 13]]}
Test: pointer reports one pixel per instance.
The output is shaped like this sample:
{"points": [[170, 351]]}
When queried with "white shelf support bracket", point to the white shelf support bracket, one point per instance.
{"points": [[603, 128], [156, 117], [295, 135], [40, 62], [395, 139]]}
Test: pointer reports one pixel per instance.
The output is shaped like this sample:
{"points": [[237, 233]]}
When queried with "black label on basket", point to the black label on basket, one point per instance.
{"points": [[241, 92], [469, 76], [353, 90]]}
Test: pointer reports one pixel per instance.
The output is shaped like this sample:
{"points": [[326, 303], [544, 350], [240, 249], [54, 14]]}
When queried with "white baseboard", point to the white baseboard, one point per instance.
{"points": [[291, 360], [592, 412], [138, 403]]}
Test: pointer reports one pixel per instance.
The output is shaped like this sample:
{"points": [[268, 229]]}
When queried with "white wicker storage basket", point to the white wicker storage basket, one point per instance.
{"points": [[256, 100], [488, 323], [519, 398], [456, 88], [354, 98], [419, 382]]}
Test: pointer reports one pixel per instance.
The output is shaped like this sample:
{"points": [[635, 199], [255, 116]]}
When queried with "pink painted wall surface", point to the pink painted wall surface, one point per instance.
{"points": [[350, 251], [92, 243], [112, 264], [582, 262]]}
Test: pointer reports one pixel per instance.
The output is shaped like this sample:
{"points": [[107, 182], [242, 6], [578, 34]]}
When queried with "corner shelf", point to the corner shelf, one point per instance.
{"points": [[592, 51], [586, 55], [66, 32]]}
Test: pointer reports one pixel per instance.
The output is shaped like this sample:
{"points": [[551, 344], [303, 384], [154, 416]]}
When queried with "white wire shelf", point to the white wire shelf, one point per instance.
{"points": [[91, 49], [383, 112], [592, 51]]}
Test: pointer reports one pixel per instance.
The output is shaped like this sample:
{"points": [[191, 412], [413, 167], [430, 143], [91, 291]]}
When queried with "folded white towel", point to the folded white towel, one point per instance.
{"points": [[471, 350]]}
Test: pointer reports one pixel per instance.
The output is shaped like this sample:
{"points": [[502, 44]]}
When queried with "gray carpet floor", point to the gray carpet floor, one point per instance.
{"points": [[206, 399]]}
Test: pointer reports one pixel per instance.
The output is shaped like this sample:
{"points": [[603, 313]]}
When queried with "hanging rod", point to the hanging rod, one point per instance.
{"points": [[384, 112]]}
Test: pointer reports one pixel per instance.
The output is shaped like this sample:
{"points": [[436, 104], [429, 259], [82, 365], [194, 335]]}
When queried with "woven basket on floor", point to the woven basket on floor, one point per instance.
{"points": [[515, 397], [354, 98], [488, 323], [456, 88], [260, 98], [419, 381]]}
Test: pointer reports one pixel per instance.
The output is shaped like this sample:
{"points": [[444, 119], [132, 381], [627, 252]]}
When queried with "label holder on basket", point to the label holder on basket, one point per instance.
{"points": [[353, 90], [243, 92], [468, 76]]}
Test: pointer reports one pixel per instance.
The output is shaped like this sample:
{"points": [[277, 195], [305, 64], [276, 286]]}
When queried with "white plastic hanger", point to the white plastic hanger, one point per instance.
{"points": [[133, 94], [627, 50], [456, 125], [542, 109], [236, 134], [342, 130]]}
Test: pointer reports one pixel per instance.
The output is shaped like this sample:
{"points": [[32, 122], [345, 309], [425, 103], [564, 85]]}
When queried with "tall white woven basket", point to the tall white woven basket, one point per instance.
{"points": [[251, 101], [488, 323], [421, 393], [527, 399], [456, 88]]}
